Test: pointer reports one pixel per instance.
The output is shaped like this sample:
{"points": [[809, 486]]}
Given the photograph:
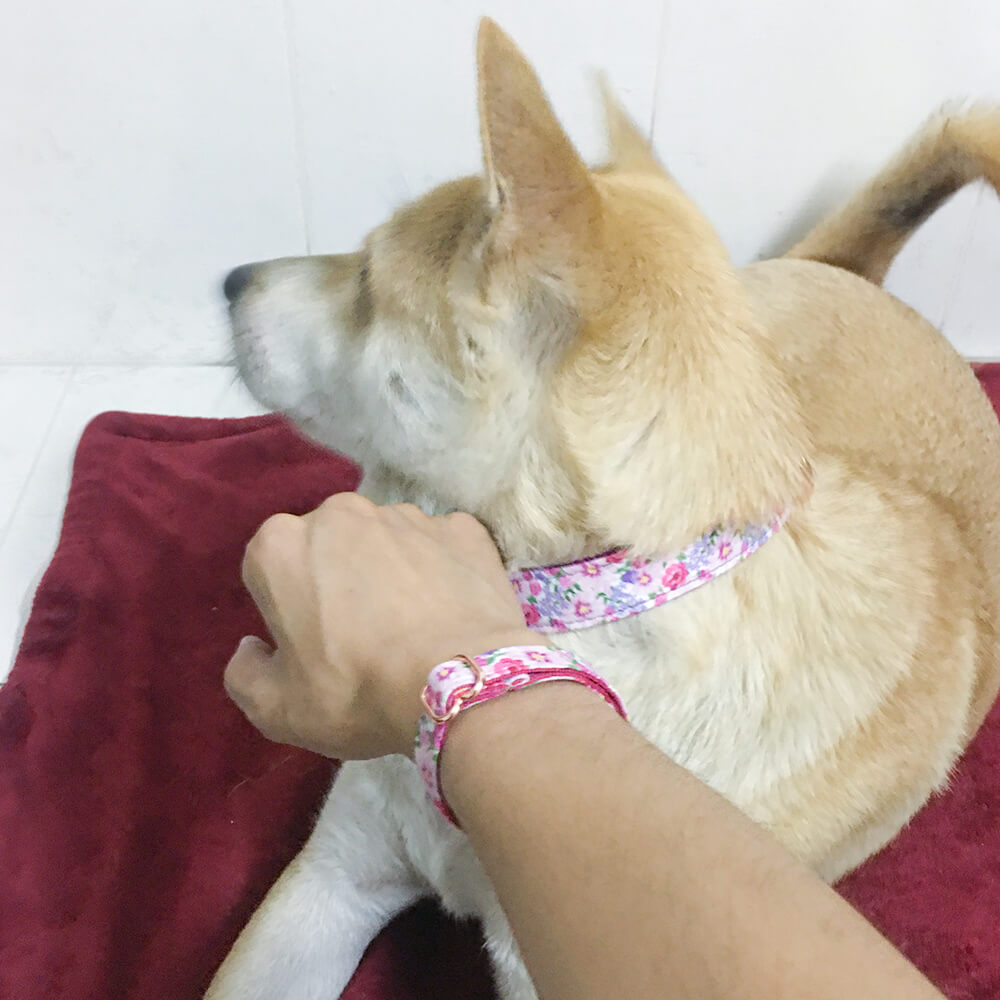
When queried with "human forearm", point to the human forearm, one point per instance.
{"points": [[621, 874]]}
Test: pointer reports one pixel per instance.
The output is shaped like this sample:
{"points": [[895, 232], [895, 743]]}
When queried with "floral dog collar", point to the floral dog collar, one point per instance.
{"points": [[615, 585]]}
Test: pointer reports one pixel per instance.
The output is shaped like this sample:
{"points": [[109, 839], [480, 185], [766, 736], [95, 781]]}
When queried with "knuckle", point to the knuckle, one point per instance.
{"points": [[348, 502], [473, 534], [268, 549], [273, 535], [277, 527], [255, 697], [410, 510], [468, 525]]}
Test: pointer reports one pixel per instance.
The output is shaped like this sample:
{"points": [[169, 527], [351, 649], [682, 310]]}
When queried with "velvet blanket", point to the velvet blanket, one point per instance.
{"points": [[142, 819]]}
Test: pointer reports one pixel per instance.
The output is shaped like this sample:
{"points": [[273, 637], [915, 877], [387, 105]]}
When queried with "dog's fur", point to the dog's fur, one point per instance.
{"points": [[569, 355]]}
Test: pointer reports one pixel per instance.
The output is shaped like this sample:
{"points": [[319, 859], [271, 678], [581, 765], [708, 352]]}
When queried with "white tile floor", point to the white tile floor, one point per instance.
{"points": [[42, 414]]}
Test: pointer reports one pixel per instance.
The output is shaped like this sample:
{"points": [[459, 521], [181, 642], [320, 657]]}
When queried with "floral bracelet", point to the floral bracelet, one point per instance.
{"points": [[460, 683]]}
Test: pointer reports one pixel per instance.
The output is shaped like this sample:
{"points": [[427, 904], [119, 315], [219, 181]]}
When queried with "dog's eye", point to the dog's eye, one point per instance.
{"points": [[364, 303]]}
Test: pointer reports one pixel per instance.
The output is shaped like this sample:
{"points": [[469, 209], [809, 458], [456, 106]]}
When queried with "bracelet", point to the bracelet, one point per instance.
{"points": [[462, 682]]}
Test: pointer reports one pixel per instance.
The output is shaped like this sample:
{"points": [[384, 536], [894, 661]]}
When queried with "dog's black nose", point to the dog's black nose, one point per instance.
{"points": [[237, 280]]}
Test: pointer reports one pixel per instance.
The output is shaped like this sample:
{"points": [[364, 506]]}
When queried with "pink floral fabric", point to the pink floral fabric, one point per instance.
{"points": [[617, 584], [507, 669]]}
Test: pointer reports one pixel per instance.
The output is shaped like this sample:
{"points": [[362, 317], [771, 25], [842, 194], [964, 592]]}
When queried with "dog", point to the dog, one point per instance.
{"points": [[568, 354]]}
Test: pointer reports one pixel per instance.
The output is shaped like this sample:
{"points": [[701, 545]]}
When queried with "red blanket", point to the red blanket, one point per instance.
{"points": [[142, 819]]}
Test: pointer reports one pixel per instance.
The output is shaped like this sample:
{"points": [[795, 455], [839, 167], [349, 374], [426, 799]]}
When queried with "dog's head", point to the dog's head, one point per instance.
{"points": [[564, 352]]}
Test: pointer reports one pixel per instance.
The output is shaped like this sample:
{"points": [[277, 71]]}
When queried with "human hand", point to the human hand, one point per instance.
{"points": [[362, 601]]}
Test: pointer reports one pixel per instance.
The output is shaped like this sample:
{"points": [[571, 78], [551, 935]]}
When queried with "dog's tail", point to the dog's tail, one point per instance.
{"points": [[864, 236]]}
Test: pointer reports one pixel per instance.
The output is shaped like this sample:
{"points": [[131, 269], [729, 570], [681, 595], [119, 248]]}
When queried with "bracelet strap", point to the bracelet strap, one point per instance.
{"points": [[460, 683]]}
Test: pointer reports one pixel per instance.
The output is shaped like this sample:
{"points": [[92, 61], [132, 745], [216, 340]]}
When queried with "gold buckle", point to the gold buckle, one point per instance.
{"points": [[461, 695]]}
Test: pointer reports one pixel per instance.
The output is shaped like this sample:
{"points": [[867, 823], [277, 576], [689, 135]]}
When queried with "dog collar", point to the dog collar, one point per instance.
{"points": [[615, 585]]}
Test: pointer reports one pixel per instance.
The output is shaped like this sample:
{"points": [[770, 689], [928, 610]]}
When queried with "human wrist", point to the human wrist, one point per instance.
{"points": [[471, 642], [535, 707], [464, 684], [535, 722]]}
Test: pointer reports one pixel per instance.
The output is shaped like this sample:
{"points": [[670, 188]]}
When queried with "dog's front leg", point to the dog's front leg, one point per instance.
{"points": [[307, 937], [509, 971]]}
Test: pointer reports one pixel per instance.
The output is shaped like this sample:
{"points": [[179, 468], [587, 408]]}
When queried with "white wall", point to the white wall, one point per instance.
{"points": [[147, 147], [771, 111]]}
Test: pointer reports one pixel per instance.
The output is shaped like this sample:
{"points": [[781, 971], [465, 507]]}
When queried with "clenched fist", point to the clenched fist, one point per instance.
{"points": [[362, 601]]}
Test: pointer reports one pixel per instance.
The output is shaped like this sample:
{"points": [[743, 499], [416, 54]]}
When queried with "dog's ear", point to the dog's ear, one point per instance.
{"points": [[535, 176], [629, 148]]}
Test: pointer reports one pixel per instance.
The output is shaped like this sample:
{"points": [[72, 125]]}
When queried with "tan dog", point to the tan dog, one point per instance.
{"points": [[569, 355]]}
